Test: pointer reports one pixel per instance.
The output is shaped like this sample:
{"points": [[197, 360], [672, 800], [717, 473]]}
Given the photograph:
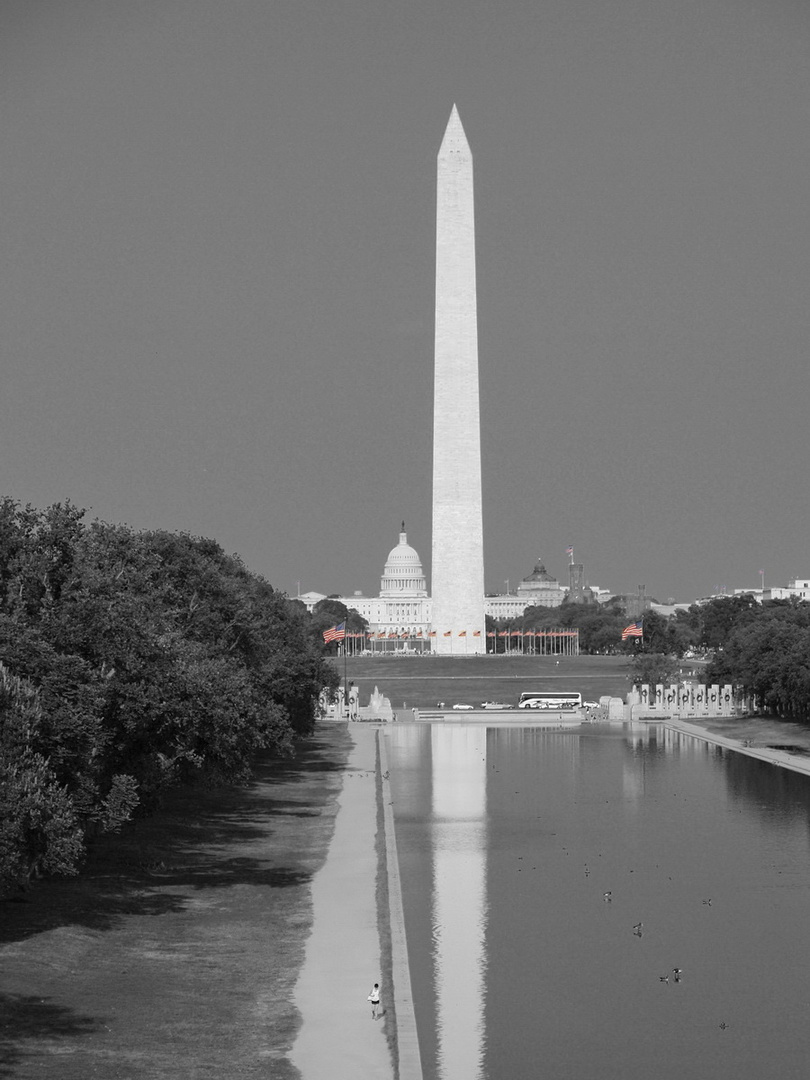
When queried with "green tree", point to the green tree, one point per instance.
{"points": [[331, 612], [599, 625], [39, 828], [155, 659], [716, 620], [656, 635], [653, 668], [770, 657]]}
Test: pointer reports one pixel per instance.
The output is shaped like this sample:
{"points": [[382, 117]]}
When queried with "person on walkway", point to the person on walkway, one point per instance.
{"points": [[374, 998]]}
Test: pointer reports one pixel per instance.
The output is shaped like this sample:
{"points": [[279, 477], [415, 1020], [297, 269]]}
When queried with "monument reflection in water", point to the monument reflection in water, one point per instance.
{"points": [[458, 844], [602, 902]]}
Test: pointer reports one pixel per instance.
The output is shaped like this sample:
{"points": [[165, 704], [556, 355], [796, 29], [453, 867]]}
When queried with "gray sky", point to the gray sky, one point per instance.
{"points": [[216, 271]]}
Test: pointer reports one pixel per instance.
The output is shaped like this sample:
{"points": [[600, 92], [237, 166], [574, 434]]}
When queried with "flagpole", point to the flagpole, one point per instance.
{"points": [[345, 678]]}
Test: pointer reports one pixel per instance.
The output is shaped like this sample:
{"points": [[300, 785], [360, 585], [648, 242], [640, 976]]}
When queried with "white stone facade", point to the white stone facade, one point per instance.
{"points": [[458, 541], [540, 589], [403, 574], [505, 606], [400, 618], [798, 589]]}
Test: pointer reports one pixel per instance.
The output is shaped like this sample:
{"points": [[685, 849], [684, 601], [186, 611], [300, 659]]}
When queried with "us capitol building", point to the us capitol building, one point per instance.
{"points": [[403, 607]]}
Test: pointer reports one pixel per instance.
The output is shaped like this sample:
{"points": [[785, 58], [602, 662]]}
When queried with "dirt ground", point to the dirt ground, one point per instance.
{"points": [[175, 953]]}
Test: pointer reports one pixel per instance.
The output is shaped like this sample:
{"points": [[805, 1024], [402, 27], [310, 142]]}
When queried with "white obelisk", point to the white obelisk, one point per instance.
{"points": [[458, 541]]}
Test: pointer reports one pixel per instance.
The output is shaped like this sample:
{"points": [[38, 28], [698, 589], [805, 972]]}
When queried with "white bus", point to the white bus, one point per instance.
{"points": [[558, 700]]}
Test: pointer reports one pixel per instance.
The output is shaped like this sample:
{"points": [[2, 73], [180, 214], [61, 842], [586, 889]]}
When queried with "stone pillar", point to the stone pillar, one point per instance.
{"points": [[354, 701]]}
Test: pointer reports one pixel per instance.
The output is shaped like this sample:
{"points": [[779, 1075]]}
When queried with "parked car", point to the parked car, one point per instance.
{"points": [[461, 705]]}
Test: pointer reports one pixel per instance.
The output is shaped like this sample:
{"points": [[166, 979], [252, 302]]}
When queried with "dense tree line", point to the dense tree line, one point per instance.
{"points": [[130, 662], [331, 612], [600, 625], [766, 652], [761, 648]]}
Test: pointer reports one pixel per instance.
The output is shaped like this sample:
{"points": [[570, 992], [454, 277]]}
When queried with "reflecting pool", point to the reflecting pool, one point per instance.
{"points": [[623, 902]]}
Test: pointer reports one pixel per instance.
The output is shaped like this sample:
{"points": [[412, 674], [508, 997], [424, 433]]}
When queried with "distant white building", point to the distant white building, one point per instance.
{"points": [[668, 610], [401, 612], [798, 589], [537, 589], [540, 589], [403, 606], [400, 617], [310, 599], [757, 594]]}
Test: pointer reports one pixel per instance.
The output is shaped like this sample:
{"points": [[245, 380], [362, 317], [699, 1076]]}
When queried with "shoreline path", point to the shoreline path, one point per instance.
{"points": [[343, 958]]}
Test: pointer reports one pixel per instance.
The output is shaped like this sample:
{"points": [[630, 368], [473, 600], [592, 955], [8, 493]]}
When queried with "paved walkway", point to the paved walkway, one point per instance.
{"points": [[785, 760], [338, 1038]]}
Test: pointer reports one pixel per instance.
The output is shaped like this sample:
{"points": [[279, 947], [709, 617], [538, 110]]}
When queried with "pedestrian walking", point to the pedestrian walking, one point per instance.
{"points": [[374, 998]]}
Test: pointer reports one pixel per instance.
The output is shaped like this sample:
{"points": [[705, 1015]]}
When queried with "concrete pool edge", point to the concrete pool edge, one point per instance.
{"points": [[342, 954], [409, 1059], [785, 760]]}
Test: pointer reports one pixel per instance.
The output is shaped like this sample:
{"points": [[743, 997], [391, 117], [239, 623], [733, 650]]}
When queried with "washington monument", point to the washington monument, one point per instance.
{"points": [[458, 540]]}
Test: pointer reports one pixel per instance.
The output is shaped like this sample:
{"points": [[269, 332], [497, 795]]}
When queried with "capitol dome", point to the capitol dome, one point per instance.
{"points": [[403, 574]]}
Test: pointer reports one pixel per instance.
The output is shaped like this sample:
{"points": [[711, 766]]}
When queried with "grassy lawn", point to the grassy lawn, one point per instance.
{"points": [[763, 732], [421, 682]]}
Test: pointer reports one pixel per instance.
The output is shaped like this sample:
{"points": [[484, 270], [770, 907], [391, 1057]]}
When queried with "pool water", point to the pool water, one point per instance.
{"points": [[554, 881]]}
